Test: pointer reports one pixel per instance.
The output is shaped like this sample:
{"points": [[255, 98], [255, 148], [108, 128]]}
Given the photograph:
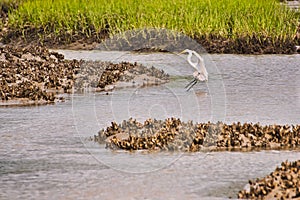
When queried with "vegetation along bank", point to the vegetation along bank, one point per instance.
{"points": [[241, 26]]}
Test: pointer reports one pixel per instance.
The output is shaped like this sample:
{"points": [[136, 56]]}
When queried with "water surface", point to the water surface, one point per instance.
{"points": [[46, 154]]}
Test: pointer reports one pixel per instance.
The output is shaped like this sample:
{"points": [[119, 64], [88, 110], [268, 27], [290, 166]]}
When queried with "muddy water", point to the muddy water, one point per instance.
{"points": [[46, 154]]}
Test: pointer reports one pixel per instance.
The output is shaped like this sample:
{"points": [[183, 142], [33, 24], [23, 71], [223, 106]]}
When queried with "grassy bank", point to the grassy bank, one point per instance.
{"points": [[225, 19]]}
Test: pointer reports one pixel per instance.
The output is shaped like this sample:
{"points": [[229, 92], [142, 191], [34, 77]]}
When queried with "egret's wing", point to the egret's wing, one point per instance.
{"points": [[200, 63], [202, 69]]}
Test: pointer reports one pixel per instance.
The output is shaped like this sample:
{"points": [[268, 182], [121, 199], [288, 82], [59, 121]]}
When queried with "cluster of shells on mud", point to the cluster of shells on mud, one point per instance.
{"points": [[126, 72], [153, 134], [173, 134], [103, 76], [37, 74], [34, 73], [283, 183]]}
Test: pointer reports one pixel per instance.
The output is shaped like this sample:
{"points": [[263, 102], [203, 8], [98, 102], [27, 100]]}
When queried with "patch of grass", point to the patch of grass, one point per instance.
{"points": [[7, 6], [224, 18]]}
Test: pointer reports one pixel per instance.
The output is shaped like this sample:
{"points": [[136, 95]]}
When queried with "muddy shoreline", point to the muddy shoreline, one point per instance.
{"points": [[251, 44]]}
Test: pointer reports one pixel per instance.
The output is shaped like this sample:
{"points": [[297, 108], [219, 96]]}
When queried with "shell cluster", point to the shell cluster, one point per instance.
{"points": [[36, 74], [283, 183], [255, 135], [104, 75], [173, 134], [126, 72], [153, 134]]}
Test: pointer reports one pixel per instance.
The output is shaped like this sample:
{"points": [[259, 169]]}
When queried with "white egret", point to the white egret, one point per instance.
{"points": [[200, 74]]}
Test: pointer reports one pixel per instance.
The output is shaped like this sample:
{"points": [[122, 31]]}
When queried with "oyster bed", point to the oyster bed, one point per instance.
{"points": [[173, 134], [35, 75], [283, 183]]}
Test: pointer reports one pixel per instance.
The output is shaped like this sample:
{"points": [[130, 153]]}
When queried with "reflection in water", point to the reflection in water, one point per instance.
{"points": [[45, 151]]}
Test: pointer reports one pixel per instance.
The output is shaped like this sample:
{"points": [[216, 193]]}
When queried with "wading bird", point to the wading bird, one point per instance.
{"points": [[200, 74]]}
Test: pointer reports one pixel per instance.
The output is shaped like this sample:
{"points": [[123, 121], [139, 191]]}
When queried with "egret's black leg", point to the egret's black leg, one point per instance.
{"points": [[190, 83], [193, 83]]}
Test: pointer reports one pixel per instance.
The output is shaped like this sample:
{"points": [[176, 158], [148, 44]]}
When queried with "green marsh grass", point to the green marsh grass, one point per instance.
{"points": [[224, 18]]}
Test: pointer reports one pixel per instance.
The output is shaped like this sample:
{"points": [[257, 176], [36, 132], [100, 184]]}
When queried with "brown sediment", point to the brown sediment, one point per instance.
{"points": [[283, 183], [173, 134], [149, 49], [249, 44], [64, 40], [35, 75]]}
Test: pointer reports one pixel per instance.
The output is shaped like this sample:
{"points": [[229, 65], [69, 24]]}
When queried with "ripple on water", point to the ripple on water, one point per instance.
{"points": [[44, 153]]}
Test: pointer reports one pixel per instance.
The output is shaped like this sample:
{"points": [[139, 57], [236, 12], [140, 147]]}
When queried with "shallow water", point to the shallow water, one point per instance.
{"points": [[46, 154]]}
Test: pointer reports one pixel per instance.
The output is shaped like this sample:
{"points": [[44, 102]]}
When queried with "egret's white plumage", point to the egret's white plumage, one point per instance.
{"points": [[200, 74]]}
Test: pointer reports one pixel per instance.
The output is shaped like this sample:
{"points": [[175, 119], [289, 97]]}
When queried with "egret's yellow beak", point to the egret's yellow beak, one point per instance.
{"points": [[182, 52]]}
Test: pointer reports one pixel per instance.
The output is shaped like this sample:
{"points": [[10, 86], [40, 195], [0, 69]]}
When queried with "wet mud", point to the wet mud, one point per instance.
{"points": [[152, 41], [147, 40], [161, 40]]}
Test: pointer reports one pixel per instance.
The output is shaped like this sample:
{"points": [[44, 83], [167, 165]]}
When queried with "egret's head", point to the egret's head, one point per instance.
{"points": [[186, 51]]}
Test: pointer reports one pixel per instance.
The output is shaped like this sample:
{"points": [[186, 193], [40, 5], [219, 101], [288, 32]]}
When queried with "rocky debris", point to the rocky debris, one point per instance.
{"points": [[173, 134], [283, 183]]}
